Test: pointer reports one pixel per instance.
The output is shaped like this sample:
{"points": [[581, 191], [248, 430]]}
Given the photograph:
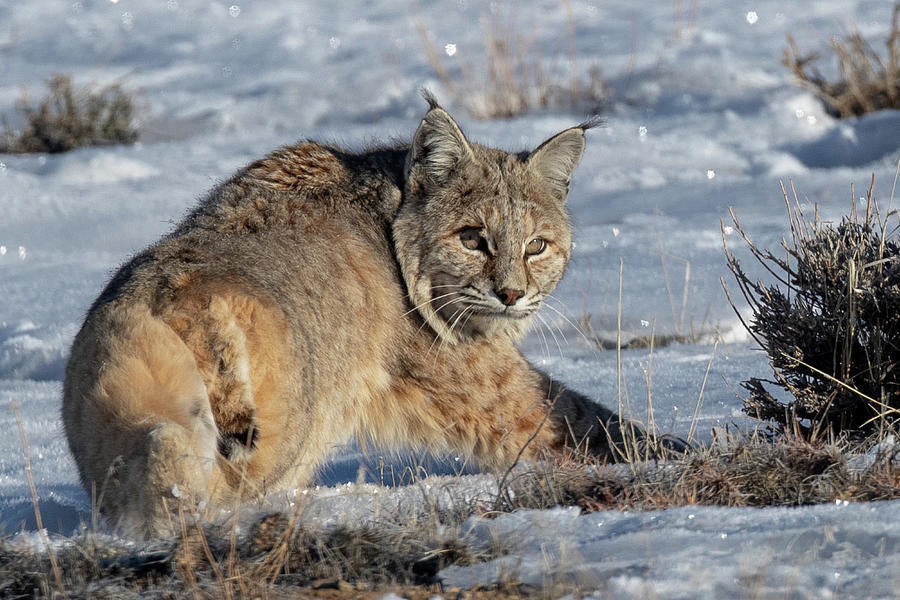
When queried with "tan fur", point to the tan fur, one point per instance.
{"points": [[319, 295]]}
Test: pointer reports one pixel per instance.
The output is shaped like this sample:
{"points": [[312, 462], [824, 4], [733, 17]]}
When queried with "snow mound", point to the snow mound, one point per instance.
{"points": [[31, 352], [105, 168], [852, 143]]}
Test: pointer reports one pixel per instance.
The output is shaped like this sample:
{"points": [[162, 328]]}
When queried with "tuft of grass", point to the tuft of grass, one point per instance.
{"points": [[70, 117], [511, 75], [278, 555], [735, 470], [867, 82], [829, 322]]}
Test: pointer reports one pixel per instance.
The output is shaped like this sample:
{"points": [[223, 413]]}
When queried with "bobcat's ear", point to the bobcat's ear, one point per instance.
{"points": [[438, 148], [555, 160]]}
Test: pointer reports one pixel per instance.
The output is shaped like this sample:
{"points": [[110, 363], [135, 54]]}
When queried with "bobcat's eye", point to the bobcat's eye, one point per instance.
{"points": [[471, 239], [535, 246]]}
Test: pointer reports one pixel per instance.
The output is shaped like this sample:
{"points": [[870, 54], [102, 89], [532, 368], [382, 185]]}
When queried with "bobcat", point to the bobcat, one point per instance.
{"points": [[320, 293]]}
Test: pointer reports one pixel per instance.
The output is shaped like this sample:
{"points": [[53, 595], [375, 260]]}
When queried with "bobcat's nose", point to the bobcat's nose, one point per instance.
{"points": [[509, 296]]}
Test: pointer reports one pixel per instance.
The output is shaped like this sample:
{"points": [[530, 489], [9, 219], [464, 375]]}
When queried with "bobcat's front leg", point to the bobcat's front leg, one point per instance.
{"points": [[495, 407], [588, 426]]}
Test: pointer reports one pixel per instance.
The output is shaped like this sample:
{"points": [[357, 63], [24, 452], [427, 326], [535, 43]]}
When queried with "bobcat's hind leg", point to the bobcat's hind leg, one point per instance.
{"points": [[231, 392], [178, 470], [241, 343], [210, 325]]}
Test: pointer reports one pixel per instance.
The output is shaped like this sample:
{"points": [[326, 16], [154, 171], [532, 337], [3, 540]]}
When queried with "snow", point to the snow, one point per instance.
{"points": [[827, 551], [704, 118]]}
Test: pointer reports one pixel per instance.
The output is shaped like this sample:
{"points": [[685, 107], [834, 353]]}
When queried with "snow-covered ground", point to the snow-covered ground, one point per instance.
{"points": [[704, 117]]}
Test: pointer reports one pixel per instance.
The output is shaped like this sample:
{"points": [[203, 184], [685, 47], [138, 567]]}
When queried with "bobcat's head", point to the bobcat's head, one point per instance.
{"points": [[483, 236]]}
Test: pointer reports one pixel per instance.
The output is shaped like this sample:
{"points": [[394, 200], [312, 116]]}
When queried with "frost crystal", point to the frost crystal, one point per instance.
{"points": [[752, 17], [334, 42], [450, 49], [2, 168], [22, 253], [127, 20], [642, 130], [710, 173], [2, 250], [234, 10]]}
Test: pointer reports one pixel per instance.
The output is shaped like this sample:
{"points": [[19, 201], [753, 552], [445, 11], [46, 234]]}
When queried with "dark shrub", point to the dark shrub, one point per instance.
{"points": [[70, 118], [830, 324], [867, 82]]}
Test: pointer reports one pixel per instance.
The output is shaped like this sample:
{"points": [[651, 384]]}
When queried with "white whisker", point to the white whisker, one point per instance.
{"points": [[568, 320], [450, 330], [441, 307], [415, 308], [470, 315], [544, 338], [551, 325], [558, 347]]}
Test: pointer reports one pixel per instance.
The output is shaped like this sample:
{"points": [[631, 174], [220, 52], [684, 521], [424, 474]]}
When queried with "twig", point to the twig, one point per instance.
{"points": [[42, 533]]}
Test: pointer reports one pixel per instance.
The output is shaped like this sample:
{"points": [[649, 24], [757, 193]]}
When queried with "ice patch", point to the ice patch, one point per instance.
{"points": [[30, 352], [733, 331], [698, 552], [780, 164], [106, 168]]}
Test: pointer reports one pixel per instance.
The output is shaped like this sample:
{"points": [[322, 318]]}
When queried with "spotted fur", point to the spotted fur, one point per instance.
{"points": [[320, 294]]}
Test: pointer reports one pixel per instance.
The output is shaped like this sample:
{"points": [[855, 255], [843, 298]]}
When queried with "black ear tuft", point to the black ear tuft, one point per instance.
{"points": [[430, 99], [591, 122], [438, 149], [556, 159]]}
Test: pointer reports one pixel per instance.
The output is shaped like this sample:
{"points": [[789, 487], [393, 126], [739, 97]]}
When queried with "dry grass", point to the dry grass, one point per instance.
{"points": [[70, 117], [829, 321], [512, 74], [284, 555], [867, 82], [645, 342], [746, 470], [204, 562]]}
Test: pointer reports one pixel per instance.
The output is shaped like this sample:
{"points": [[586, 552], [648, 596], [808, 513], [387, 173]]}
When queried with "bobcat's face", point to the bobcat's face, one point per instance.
{"points": [[497, 245], [482, 236]]}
